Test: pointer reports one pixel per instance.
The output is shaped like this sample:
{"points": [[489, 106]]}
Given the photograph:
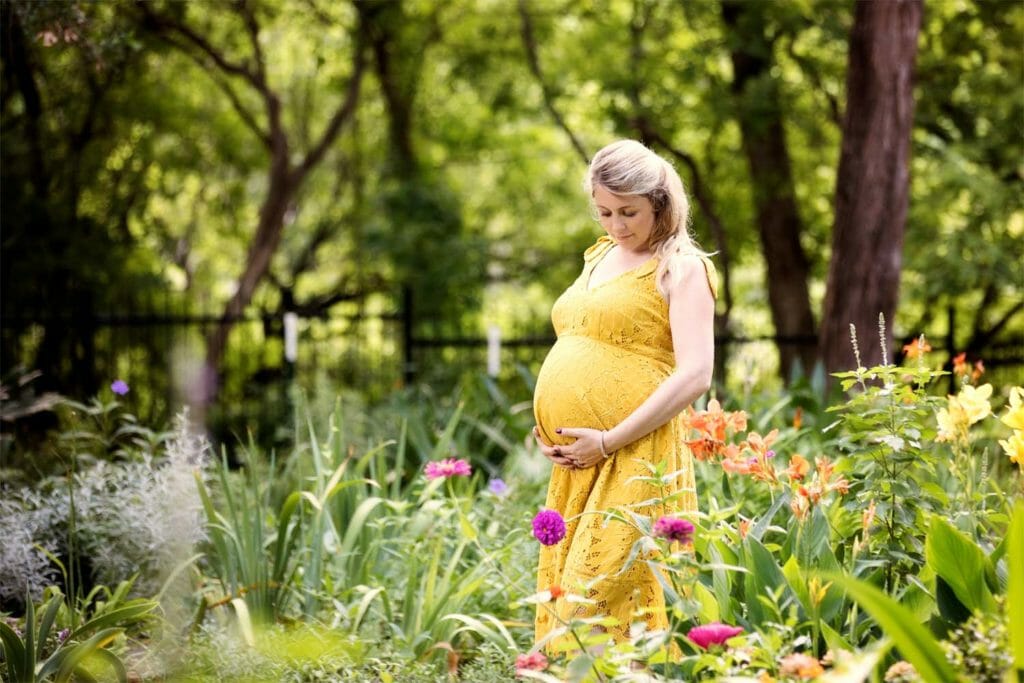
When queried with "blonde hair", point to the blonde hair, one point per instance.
{"points": [[627, 167]]}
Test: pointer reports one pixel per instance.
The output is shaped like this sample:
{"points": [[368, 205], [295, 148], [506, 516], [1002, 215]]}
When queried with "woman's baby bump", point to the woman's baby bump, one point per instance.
{"points": [[587, 383]]}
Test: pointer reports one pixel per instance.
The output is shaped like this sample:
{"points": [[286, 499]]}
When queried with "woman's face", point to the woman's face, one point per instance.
{"points": [[627, 218]]}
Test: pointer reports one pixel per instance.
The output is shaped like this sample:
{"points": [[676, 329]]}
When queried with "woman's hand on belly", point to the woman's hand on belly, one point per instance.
{"points": [[585, 451], [551, 452]]}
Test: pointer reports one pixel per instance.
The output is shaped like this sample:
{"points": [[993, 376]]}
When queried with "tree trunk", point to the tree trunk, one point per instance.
{"points": [[285, 177], [759, 112], [280, 194], [872, 183]]}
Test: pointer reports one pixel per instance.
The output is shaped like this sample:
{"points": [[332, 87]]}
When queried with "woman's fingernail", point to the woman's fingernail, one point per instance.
{"points": [[558, 431]]}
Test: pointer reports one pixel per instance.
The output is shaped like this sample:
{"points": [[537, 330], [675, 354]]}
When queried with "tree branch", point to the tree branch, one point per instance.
{"points": [[807, 66], [225, 86], [981, 338], [252, 28], [652, 136], [162, 23], [343, 113], [530, 45]]}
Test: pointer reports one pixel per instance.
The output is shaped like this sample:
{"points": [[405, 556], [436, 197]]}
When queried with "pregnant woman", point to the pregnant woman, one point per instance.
{"points": [[635, 347]]}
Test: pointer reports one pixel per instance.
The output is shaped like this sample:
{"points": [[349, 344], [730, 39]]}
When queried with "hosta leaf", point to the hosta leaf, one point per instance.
{"points": [[915, 642], [960, 563]]}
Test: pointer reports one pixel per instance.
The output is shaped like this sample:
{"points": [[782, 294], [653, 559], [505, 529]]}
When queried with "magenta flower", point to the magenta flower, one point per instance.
{"points": [[548, 527], [535, 661], [451, 467], [714, 633], [119, 387], [674, 529]]}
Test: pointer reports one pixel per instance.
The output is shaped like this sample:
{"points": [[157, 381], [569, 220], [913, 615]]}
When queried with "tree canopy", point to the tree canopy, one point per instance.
{"points": [[272, 155]]}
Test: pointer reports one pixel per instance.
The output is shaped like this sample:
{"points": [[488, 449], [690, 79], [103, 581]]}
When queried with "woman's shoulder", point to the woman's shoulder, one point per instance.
{"points": [[603, 243], [694, 265]]}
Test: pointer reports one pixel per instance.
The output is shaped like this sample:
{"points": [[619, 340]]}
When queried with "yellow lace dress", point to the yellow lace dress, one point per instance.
{"points": [[614, 348]]}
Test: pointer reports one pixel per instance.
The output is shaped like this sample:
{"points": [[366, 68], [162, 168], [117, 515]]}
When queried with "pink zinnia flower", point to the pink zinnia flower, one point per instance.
{"points": [[714, 633], [452, 467], [674, 529], [548, 527], [535, 661]]}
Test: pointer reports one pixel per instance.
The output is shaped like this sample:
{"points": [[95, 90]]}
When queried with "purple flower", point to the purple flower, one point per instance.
{"points": [[119, 387], [674, 529], [548, 527], [497, 487], [63, 635], [451, 467], [714, 633]]}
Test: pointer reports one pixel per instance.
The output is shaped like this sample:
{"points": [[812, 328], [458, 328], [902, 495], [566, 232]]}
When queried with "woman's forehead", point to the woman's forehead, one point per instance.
{"points": [[608, 199]]}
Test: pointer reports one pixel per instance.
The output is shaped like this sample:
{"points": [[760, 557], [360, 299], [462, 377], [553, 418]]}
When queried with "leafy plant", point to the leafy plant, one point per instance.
{"points": [[888, 440], [37, 652]]}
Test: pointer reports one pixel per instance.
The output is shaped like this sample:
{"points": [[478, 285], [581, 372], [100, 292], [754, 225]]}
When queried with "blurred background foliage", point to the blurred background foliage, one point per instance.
{"points": [[405, 174]]}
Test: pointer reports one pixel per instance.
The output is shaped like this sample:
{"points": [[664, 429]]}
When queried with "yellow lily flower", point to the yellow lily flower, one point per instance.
{"points": [[1014, 447], [1014, 417], [953, 421], [974, 401]]}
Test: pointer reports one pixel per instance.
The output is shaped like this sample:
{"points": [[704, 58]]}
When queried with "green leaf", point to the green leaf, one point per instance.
{"points": [[132, 611], [14, 653], [112, 660], [709, 611], [791, 570], [960, 563], [917, 645], [764, 577], [721, 584], [834, 639], [580, 668], [30, 632], [67, 659], [1015, 585], [49, 614]]}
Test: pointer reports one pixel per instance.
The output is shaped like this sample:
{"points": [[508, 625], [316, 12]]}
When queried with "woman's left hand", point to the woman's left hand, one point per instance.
{"points": [[585, 451]]}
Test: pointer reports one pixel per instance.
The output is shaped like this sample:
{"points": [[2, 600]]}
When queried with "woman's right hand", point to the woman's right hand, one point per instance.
{"points": [[551, 452]]}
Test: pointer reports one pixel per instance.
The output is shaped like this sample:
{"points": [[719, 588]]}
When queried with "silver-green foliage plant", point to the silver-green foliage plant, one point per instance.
{"points": [[27, 523], [130, 517], [144, 516]]}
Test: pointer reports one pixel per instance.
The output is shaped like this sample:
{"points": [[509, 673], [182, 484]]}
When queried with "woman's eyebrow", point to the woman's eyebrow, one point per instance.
{"points": [[624, 206]]}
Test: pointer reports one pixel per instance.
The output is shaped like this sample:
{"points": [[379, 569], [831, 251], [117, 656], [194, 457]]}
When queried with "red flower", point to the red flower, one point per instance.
{"points": [[714, 633], [535, 661]]}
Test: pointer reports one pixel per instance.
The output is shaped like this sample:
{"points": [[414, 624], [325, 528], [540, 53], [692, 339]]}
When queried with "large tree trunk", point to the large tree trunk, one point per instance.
{"points": [[872, 183], [759, 112]]}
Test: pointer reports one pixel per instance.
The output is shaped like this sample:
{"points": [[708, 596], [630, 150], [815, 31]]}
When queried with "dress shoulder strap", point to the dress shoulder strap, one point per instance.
{"points": [[712, 273], [594, 251]]}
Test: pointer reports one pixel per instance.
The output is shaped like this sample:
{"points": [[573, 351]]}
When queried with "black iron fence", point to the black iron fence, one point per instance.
{"points": [[367, 347]]}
